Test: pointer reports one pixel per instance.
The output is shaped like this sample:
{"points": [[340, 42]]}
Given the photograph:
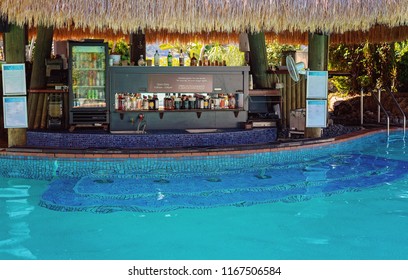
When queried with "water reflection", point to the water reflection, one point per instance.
{"points": [[13, 197]]}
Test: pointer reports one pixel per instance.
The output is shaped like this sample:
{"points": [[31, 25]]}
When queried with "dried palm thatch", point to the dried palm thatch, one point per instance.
{"points": [[376, 34], [198, 16]]}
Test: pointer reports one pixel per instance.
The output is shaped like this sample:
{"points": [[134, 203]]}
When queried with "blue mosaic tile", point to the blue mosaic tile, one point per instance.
{"points": [[150, 141], [109, 192]]}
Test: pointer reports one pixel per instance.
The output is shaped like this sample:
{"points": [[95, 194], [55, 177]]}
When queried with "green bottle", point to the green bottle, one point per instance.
{"points": [[169, 59]]}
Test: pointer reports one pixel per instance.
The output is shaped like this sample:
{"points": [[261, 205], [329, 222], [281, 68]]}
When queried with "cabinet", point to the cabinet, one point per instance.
{"points": [[265, 107], [217, 83]]}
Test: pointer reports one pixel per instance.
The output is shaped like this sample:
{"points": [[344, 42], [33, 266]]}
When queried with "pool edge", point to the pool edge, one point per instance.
{"points": [[187, 152]]}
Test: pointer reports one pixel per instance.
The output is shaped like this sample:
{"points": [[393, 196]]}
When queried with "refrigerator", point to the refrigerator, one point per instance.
{"points": [[88, 96]]}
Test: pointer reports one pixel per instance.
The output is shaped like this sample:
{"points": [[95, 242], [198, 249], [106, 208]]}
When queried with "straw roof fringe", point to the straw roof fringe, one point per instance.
{"points": [[201, 16], [376, 34]]}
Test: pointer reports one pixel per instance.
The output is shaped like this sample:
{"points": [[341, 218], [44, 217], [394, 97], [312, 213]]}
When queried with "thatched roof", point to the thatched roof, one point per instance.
{"points": [[290, 19]]}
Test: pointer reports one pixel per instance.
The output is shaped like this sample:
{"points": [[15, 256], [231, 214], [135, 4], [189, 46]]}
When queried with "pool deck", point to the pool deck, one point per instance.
{"points": [[280, 145]]}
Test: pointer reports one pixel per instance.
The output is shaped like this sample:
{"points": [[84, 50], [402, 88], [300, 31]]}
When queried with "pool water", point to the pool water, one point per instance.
{"points": [[341, 201]]}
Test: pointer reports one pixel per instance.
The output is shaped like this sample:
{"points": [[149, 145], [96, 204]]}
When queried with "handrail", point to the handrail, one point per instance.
{"points": [[399, 107], [385, 112]]}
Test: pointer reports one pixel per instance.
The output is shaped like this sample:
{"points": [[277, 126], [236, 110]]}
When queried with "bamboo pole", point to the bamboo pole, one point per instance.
{"points": [[32, 109], [293, 94], [43, 123], [38, 111], [299, 93], [288, 99], [303, 94]]}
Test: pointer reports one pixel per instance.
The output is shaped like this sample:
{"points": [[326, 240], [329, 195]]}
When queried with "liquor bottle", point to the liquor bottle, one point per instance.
{"points": [[206, 62], [169, 59], [157, 58], [156, 102], [181, 58], [193, 61], [141, 61]]}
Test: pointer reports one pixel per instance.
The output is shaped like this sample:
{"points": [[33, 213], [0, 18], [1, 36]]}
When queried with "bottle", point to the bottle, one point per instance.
{"points": [[193, 61], [181, 58], [206, 62], [157, 58], [116, 101], [169, 59], [141, 61]]}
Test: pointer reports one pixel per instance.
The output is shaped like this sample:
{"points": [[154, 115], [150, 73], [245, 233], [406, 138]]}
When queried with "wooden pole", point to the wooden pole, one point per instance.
{"points": [[15, 53], [258, 60], [39, 105], [318, 53]]}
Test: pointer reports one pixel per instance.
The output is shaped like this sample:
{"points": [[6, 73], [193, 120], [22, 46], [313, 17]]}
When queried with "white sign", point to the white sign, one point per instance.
{"points": [[14, 79], [15, 112], [316, 113], [317, 84]]}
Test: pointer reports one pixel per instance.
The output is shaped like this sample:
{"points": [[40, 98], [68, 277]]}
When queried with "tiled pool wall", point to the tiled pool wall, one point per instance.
{"points": [[65, 140], [48, 168]]}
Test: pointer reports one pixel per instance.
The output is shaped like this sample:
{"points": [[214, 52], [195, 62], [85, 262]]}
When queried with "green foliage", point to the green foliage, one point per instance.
{"points": [[370, 65], [215, 52], [402, 73], [274, 52], [120, 47]]}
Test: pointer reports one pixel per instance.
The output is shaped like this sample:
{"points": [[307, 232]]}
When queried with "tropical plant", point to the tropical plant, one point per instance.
{"points": [[120, 47], [275, 52]]}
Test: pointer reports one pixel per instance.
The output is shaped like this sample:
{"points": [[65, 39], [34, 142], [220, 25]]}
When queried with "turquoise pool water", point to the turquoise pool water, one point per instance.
{"points": [[341, 201]]}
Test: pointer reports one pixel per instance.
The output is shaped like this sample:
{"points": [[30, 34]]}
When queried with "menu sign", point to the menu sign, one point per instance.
{"points": [[316, 113], [180, 83], [15, 112], [14, 79], [317, 84]]}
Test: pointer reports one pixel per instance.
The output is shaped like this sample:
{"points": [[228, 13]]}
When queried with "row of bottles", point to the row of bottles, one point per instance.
{"points": [[85, 60], [137, 101], [89, 98], [193, 60], [88, 78]]}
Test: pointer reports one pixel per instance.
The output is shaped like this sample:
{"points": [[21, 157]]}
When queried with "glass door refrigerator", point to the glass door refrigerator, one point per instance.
{"points": [[88, 98]]}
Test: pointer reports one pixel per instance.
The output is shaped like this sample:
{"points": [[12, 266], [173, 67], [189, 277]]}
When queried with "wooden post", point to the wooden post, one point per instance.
{"points": [[318, 53], [43, 45], [38, 102], [15, 53], [259, 60]]}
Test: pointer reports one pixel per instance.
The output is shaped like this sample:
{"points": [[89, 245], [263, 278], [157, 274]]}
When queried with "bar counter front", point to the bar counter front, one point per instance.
{"points": [[177, 97], [167, 107]]}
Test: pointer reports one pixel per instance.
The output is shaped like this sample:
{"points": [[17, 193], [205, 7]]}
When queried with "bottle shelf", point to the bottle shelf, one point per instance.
{"points": [[162, 111]]}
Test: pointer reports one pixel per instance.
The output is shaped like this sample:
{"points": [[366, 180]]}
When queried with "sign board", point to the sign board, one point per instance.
{"points": [[316, 113], [317, 84], [15, 112], [179, 83], [14, 79]]}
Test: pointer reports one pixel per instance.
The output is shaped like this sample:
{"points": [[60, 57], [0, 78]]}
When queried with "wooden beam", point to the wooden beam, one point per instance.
{"points": [[15, 53], [317, 60]]}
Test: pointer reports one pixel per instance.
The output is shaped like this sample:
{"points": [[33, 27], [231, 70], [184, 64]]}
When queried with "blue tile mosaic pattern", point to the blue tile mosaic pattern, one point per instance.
{"points": [[105, 193], [150, 141], [49, 168], [161, 184]]}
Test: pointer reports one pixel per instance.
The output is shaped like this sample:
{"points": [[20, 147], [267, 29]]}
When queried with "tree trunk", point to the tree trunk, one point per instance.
{"points": [[15, 53], [318, 61], [259, 60], [43, 46]]}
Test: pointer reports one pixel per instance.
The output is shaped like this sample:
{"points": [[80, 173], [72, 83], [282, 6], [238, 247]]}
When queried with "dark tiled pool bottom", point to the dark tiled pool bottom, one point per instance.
{"points": [[150, 140], [164, 191]]}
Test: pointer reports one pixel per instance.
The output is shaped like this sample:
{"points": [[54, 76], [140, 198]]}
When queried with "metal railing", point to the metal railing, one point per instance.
{"points": [[399, 108], [381, 108]]}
